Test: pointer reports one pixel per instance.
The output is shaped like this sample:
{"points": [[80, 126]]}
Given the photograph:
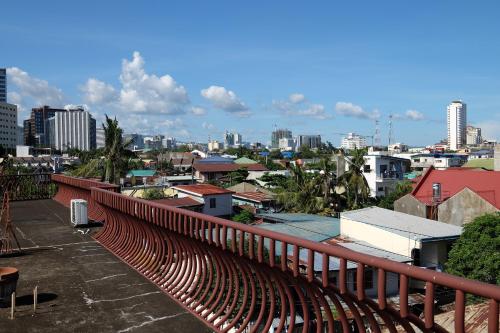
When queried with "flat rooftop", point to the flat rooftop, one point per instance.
{"points": [[82, 287]]}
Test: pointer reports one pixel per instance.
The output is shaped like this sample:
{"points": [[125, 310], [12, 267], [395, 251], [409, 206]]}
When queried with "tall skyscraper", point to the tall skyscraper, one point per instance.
{"points": [[75, 129], [309, 141], [8, 125], [3, 85], [473, 136], [279, 134], [457, 124]]}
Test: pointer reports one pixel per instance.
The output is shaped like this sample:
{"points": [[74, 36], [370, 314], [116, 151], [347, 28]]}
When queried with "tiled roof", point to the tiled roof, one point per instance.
{"points": [[253, 196], [202, 189], [222, 167], [179, 202], [485, 183]]}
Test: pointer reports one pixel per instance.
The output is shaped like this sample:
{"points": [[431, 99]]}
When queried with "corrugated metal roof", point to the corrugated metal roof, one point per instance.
{"points": [[141, 173], [253, 196], [179, 202], [222, 167], [414, 227], [202, 189]]}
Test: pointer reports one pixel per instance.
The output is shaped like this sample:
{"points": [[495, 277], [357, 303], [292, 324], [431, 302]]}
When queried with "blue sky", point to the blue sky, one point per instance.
{"points": [[194, 69]]}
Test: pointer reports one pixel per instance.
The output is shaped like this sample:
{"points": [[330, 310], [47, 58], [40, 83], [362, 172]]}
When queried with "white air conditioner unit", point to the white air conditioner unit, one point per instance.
{"points": [[78, 212]]}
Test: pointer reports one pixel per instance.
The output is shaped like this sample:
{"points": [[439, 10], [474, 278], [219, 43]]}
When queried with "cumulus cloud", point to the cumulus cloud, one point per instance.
{"points": [[33, 88], [352, 110], [414, 115], [98, 92], [296, 98], [197, 111], [226, 100], [207, 126], [296, 104]]}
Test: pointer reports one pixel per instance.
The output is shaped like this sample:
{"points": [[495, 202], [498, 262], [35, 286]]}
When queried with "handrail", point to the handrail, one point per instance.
{"points": [[116, 201]]}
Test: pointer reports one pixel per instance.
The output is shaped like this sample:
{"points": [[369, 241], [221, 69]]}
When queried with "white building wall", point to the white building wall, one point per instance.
{"points": [[71, 130], [224, 203], [8, 125], [457, 121]]}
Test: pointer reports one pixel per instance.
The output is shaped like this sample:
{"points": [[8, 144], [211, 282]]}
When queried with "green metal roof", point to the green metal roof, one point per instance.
{"points": [[141, 173], [245, 160]]}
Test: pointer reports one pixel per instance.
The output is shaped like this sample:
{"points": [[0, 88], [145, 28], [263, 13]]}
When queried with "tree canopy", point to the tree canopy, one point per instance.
{"points": [[476, 254]]}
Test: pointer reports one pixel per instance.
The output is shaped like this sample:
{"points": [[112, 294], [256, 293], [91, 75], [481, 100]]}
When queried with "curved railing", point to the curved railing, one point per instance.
{"points": [[237, 277], [79, 188]]}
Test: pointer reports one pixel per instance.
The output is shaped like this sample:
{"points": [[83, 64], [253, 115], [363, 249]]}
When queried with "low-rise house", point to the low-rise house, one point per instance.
{"points": [[137, 177], [483, 153], [438, 161], [216, 201], [455, 196], [214, 171], [178, 180], [382, 172], [185, 202], [254, 198]]}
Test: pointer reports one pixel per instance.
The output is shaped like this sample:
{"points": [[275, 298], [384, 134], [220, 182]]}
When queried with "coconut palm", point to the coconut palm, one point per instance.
{"points": [[357, 189], [113, 151]]}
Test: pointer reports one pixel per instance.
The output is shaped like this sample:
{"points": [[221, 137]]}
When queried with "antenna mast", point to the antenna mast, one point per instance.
{"points": [[390, 129], [377, 134]]}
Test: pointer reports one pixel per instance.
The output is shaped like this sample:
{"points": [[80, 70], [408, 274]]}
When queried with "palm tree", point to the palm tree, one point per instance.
{"points": [[357, 189], [113, 151]]}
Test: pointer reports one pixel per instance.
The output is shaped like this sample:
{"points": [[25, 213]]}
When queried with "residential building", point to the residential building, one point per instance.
{"points": [[178, 180], [8, 125], [457, 120], [309, 141], [20, 135], [214, 145], [140, 177], [185, 203], [244, 160], [425, 241], [382, 172], [353, 141], [278, 134], [439, 161], [473, 136], [454, 196], [397, 148], [482, 153], [75, 129], [286, 144], [136, 141], [251, 196], [153, 142], [215, 171], [3, 85], [100, 138], [216, 201]]}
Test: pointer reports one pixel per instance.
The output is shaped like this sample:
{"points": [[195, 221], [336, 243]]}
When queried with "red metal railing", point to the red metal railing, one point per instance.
{"points": [[233, 276], [79, 188]]}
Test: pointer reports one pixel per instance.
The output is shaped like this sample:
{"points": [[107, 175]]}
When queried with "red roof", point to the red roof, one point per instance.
{"points": [[227, 167], [179, 202], [253, 196], [202, 189], [485, 183]]}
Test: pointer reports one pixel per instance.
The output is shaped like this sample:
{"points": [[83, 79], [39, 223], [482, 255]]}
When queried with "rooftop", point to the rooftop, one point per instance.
{"points": [[141, 173], [253, 196], [414, 227], [244, 160], [226, 167], [81, 286], [202, 189], [179, 202]]}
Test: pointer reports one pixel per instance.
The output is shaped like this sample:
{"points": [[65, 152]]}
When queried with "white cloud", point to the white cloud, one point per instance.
{"points": [[169, 123], [226, 100], [207, 126], [98, 92], [296, 98], [414, 115], [33, 88], [75, 106], [356, 111], [197, 111], [297, 105]]}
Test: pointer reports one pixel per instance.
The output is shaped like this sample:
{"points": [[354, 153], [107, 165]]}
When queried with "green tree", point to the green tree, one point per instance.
{"points": [[476, 254], [238, 176], [401, 189], [153, 194], [357, 189], [244, 216], [114, 151]]}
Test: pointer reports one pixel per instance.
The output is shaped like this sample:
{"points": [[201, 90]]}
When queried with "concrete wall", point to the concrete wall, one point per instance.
{"points": [[497, 158], [410, 205], [378, 237], [463, 207], [223, 202]]}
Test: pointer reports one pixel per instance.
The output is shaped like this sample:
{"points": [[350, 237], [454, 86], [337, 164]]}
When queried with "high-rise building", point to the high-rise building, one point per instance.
{"points": [[8, 125], [153, 142], [3, 85], [228, 139], [136, 141], [309, 141], [75, 129], [286, 144], [457, 120], [100, 138], [473, 136], [169, 143], [34, 127], [353, 141], [279, 134], [238, 139]]}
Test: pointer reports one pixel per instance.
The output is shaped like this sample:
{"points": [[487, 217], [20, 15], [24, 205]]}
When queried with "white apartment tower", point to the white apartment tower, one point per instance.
{"points": [[457, 124], [353, 141], [72, 129]]}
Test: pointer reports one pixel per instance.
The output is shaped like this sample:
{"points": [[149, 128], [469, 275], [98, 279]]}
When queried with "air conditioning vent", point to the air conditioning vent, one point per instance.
{"points": [[79, 212]]}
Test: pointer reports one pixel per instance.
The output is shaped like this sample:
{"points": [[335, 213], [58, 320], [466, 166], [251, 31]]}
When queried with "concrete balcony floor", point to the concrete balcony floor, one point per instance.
{"points": [[82, 287]]}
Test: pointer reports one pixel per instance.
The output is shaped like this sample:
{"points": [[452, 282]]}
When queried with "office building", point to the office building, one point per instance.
{"points": [[232, 139], [279, 134], [136, 141], [353, 141], [153, 142], [75, 129], [169, 143], [286, 144], [473, 136], [8, 125], [3, 85], [457, 120], [309, 141]]}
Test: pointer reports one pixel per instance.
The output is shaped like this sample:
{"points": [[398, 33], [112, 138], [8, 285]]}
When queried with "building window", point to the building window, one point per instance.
{"points": [[380, 189], [213, 203], [415, 255]]}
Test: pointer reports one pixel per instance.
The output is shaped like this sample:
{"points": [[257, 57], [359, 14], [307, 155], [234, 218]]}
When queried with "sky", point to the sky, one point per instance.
{"points": [[195, 69]]}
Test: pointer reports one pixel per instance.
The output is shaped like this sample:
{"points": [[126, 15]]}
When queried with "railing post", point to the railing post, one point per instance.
{"points": [[272, 252], [260, 249], [403, 295], [459, 311], [284, 254], [429, 305], [342, 276], [493, 316], [325, 268], [295, 261], [310, 265], [381, 281], [360, 281]]}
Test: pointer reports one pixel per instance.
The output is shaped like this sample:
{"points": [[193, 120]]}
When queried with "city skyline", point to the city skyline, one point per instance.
{"points": [[337, 73]]}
